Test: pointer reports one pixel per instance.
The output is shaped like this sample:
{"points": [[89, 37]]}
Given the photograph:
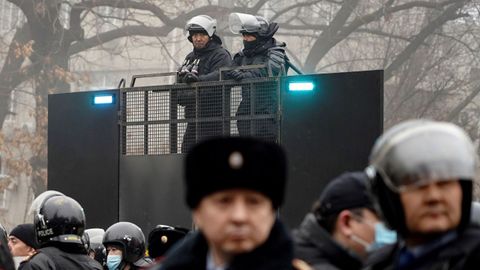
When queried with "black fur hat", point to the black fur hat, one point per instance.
{"points": [[235, 162]]}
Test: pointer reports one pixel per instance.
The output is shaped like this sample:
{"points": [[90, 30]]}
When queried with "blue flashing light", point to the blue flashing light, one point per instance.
{"points": [[300, 86], [103, 99]]}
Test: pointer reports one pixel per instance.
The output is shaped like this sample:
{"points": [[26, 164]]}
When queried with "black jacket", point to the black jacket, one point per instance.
{"points": [[269, 52], [209, 102], [52, 258], [314, 245], [275, 254], [461, 253], [212, 58]]}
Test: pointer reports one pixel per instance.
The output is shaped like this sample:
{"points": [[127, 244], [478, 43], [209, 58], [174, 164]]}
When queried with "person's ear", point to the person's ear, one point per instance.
{"points": [[344, 223]]}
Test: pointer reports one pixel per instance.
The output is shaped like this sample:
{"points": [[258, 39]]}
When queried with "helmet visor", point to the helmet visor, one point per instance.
{"points": [[37, 203], [424, 154], [243, 23]]}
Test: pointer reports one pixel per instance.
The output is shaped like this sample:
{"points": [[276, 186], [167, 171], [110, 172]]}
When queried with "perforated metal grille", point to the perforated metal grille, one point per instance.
{"points": [[172, 118]]}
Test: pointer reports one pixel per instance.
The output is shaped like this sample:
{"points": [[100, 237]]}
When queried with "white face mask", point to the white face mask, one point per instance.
{"points": [[18, 259]]}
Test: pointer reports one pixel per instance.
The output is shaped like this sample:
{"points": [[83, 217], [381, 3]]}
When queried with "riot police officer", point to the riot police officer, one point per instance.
{"points": [[125, 244], [59, 226], [421, 173], [96, 249], [259, 48], [200, 65]]}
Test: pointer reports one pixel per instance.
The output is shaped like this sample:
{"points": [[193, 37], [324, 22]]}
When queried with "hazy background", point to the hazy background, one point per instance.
{"points": [[429, 50]]}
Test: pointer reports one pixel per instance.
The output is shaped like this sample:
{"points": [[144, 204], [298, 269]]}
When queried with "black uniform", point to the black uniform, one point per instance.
{"points": [[275, 254], [460, 252], [212, 58], [314, 245], [272, 54], [52, 258]]}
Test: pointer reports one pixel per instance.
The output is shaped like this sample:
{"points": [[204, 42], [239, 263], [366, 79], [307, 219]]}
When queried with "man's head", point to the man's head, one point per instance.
{"points": [[21, 240], [346, 211], [200, 30], [422, 174], [234, 185], [125, 244], [253, 29], [59, 220]]}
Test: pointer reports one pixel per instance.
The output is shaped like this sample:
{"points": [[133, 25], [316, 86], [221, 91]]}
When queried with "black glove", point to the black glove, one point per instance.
{"points": [[190, 78], [237, 75]]}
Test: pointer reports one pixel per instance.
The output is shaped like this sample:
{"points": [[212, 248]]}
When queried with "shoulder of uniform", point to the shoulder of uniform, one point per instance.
{"points": [[38, 259]]}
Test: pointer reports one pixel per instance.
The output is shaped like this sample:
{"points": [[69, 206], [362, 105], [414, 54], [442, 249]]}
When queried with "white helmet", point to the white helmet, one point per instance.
{"points": [[246, 23], [202, 23]]}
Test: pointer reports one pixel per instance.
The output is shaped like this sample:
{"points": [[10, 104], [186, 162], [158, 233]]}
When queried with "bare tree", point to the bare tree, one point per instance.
{"points": [[428, 49]]}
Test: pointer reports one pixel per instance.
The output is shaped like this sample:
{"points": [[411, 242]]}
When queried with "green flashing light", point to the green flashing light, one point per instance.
{"points": [[300, 86]]}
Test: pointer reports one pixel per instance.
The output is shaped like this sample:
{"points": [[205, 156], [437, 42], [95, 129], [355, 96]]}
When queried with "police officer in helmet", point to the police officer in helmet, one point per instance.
{"points": [[96, 250], [59, 226], [421, 174], [260, 47], [125, 244], [201, 65]]}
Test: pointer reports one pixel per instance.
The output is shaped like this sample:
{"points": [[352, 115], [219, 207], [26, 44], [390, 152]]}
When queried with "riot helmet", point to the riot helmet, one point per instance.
{"points": [[241, 23], [60, 219], [38, 201], [201, 23], [129, 237], [96, 244], [416, 153]]}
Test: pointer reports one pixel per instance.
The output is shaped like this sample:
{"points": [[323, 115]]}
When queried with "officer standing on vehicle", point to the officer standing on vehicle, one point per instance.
{"points": [[260, 48], [59, 226], [125, 244], [201, 65], [422, 173], [234, 187], [343, 227]]}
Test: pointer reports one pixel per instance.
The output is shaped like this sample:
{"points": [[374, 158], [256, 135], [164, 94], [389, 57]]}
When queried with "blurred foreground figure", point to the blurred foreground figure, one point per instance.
{"points": [[343, 227], [421, 174], [234, 187], [6, 261]]}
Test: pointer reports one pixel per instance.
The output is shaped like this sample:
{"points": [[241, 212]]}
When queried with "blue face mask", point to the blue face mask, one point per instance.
{"points": [[113, 261], [383, 237]]}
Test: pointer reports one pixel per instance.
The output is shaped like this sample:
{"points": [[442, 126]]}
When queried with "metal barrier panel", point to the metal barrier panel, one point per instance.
{"points": [[167, 119]]}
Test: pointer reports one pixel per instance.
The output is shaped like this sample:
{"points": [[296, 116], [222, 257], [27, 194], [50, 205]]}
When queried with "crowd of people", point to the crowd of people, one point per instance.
{"points": [[409, 209]]}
